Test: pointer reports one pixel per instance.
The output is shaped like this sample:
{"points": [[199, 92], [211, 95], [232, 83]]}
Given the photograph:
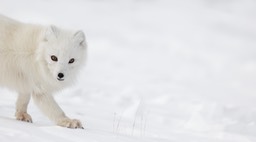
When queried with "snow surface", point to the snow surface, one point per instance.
{"points": [[157, 70]]}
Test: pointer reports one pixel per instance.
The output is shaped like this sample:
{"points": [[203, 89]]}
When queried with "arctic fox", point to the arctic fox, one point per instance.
{"points": [[38, 61]]}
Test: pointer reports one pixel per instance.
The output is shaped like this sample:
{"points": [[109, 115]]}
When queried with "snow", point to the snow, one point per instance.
{"points": [[157, 70]]}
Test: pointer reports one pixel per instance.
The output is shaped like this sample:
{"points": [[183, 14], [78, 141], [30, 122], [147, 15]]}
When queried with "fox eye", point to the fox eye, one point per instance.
{"points": [[54, 58], [71, 61]]}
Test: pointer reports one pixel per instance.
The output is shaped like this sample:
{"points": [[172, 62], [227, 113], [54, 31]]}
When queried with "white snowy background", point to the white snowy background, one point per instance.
{"points": [[157, 70]]}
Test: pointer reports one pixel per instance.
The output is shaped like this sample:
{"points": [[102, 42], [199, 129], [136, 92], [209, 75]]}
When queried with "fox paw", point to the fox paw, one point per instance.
{"points": [[70, 123], [23, 116]]}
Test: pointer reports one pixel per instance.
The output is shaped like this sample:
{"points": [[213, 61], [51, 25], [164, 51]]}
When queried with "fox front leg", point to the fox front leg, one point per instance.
{"points": [[51, 109], [21, 107]]}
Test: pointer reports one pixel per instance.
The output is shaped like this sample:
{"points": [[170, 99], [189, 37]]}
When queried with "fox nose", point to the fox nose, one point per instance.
{"points": [[60, 75]]}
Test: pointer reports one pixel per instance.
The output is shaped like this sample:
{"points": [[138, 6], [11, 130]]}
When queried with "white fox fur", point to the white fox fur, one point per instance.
{"points": [[37, 61]]}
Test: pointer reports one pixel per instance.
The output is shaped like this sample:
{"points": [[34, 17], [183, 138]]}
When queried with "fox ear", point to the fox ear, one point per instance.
{"points": [[51, 32], [80, 37]]}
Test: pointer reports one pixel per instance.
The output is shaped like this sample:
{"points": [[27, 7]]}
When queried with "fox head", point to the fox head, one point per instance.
{"points": [[62, 52]]}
